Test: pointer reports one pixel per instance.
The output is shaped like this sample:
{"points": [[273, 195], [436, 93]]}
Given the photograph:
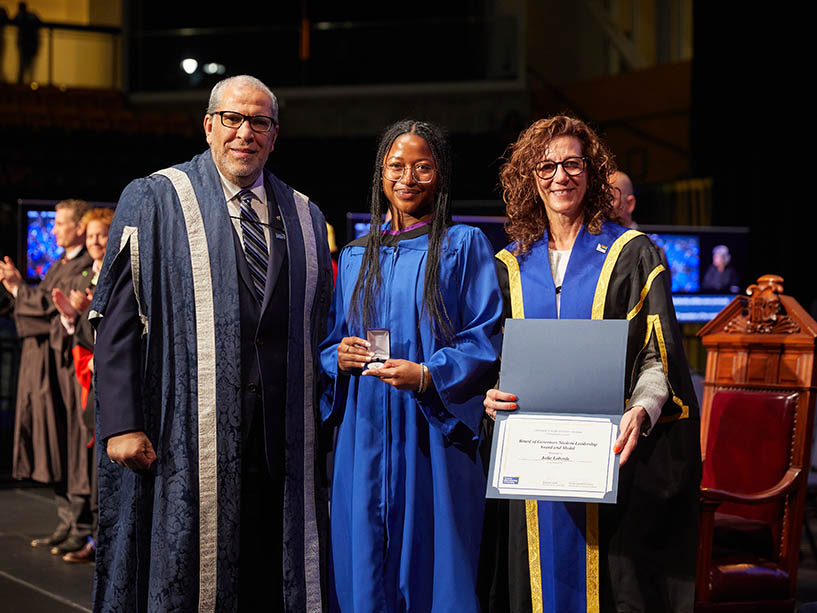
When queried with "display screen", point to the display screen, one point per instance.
{"points": [[692, 308], [41, 244], [706, 260], [683, 253]]}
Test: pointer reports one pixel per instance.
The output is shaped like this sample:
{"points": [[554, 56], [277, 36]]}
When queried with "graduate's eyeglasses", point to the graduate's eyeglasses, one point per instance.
{"points": [[233, 120], [547, 169], [423, 172]]}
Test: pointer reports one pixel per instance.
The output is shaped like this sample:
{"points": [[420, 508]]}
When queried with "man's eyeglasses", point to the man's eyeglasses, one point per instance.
{"points": [[547, 169], [233, 120], [423, 172]]}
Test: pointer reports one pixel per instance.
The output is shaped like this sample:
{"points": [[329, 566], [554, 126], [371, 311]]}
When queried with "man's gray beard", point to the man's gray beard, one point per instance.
{"points": [[238, 170]]}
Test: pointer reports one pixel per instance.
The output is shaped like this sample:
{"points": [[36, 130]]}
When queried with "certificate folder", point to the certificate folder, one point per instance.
{"points": [[568, 377]]}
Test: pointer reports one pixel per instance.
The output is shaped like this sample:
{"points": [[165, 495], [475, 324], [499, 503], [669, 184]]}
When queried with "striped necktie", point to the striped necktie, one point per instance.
{"points": [[255, 245]]}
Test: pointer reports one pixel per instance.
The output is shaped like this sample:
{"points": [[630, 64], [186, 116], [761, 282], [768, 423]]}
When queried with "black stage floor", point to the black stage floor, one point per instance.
{"points": [[34, 581]]}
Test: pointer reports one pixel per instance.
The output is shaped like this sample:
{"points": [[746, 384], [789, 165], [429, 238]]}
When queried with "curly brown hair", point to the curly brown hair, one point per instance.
{"points": [[527, 218]]}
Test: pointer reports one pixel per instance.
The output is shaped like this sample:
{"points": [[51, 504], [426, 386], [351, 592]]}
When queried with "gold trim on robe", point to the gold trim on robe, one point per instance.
{"points": [[515, 283], [645, 290], [607, 271], [532, 516], [591, 538]]}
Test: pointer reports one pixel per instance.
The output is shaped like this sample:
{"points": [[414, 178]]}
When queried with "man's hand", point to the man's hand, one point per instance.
{"points": [[63, 304], [10, 277], [132, 450], [629, 431], [402, 374], [81, 300]]}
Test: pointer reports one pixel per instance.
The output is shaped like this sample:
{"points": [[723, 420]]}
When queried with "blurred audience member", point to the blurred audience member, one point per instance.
{"points": [[47, 412], [73, 309]]}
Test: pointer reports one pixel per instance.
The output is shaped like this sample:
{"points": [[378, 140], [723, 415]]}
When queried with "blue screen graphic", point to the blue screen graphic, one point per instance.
{"points": [[41, 244], [684, 257]]}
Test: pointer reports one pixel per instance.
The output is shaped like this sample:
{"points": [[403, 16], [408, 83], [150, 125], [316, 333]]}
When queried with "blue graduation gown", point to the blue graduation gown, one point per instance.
{"points": [[408, 488], [168, 537]]}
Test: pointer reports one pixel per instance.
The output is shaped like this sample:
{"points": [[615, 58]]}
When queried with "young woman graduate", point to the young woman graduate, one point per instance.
{"points": [[408, 488]]}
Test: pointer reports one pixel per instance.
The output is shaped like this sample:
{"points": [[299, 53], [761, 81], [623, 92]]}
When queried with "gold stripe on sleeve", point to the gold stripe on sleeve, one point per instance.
{"points": [[515, 283], [654, 322], [645, 290], [607, 272]]}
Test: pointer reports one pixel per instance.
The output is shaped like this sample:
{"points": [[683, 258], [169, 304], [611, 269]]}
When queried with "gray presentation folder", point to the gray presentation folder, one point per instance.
{"points": [[564, 367]]}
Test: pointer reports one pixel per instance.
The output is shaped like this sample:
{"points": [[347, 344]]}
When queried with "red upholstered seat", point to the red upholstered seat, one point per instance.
{"points": [[748, 451], [733, 533], [751, 578]]}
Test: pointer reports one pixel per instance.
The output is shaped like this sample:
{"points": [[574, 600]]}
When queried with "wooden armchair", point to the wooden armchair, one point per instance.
{"points": [[748, 492], [756, 433]]}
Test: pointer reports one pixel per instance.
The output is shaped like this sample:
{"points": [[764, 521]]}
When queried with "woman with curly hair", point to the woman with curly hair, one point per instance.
{"points": [[408, 488], [568, 260]]}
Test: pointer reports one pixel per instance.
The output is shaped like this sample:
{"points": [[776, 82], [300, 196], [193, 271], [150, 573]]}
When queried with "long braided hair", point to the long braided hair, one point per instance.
{"points": [[369, 278]]}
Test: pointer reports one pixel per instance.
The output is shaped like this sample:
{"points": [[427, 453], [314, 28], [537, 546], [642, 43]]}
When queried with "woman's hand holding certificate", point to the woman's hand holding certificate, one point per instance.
{"points": [[496, 400], [629, 428]]}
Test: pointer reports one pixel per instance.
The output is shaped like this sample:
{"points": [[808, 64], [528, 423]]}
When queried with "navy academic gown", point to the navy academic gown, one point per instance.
{"points": [[408, 488], [638, 554], [169, 537]]}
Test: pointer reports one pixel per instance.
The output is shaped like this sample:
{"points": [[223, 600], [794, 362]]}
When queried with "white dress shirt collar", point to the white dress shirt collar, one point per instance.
{"points": [[231, 190], [73, 252], [259, 204]]}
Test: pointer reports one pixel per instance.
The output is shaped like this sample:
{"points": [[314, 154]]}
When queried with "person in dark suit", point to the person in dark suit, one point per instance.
{"points": [[212, 298]]}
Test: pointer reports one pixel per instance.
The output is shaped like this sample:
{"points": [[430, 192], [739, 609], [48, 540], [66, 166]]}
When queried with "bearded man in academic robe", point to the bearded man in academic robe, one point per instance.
{"points": [[211, 300], [49, 437]]}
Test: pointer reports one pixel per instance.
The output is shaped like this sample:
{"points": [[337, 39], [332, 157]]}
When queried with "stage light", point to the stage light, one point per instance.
{"points": [[189, 65], [214, 68]]}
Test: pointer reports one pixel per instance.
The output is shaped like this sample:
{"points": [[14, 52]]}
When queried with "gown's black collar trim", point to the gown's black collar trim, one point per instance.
{"points": [[390, 240]]}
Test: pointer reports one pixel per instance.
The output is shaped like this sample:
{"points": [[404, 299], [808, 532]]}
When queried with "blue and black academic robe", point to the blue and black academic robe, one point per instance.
{"points": [[408, 488], [639, 554], [169, 537]]}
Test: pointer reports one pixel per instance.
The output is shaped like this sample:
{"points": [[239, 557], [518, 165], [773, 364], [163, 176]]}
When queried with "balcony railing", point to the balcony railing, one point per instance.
{"points": [[68, 55]]}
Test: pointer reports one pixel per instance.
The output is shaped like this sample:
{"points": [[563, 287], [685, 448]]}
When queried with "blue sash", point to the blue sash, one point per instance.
{"points": [[563, 537]]}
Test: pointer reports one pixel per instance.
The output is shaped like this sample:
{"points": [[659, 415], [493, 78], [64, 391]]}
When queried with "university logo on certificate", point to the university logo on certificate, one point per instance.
{"points": [[568, 377]]}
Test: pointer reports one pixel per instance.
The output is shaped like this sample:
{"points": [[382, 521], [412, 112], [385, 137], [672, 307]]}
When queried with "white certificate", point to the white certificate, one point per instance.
{"points": [[555, 457]]}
